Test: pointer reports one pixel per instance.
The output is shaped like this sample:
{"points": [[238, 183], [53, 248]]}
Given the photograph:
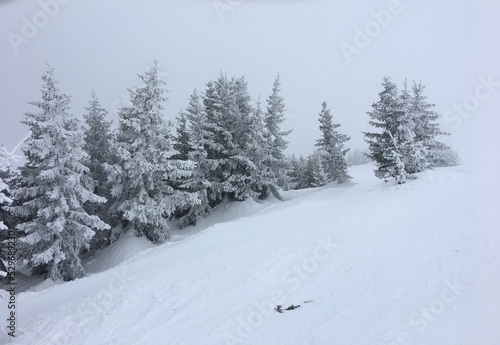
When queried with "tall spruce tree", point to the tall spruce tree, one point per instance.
{"points": [[50, 196], [413, 151], [386, 145], [427, 130], [198, 183], [147, 171], [274, 117], [220, 121], [245, 179], [233, 128], [99, 145], [260, 152], [331, 146]]}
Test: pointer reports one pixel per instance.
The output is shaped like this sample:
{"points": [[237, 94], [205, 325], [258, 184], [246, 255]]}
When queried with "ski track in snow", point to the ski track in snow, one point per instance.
{"points": [[410, 264]]}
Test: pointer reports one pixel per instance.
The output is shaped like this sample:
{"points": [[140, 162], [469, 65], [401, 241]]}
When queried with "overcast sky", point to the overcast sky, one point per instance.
{"points": [[334, 51]]}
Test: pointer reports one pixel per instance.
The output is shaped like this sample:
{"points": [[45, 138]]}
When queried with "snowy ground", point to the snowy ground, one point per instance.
{"points": [[378, 263]]}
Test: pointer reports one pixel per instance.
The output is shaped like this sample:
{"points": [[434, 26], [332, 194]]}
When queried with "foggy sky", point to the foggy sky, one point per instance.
{"points": [[452, 46]]}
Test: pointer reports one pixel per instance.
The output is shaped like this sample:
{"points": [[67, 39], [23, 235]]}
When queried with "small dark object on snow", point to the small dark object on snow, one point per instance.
{"points": [[292, 307], [278, 309], [309, 301]]}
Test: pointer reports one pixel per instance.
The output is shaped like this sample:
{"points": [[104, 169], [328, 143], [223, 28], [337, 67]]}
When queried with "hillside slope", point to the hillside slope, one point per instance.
{"points": [[377, 263]]}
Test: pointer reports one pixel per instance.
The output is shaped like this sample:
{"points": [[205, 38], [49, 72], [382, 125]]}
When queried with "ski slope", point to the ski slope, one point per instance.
{"points": [[369, 262]]}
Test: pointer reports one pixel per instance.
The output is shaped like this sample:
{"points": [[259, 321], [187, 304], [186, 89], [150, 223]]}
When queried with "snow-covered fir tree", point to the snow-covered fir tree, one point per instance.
{"points": [[181, 140], [331, 146], [260, 151], [233, 130], [227, 144], [220, 116], [275, 136], [413, 151], [99, 145], [144, 179], [50, 195], [6, 161], [405, 142], [7, 221], [197, 184], [441, 155], [5, 197], [315, 174], [244, 124], [427, 130], [385, 150], [297, 172]]}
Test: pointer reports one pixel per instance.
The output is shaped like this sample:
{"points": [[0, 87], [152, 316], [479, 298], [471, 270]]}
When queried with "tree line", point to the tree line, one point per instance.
{"points": [[83, 186]]}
